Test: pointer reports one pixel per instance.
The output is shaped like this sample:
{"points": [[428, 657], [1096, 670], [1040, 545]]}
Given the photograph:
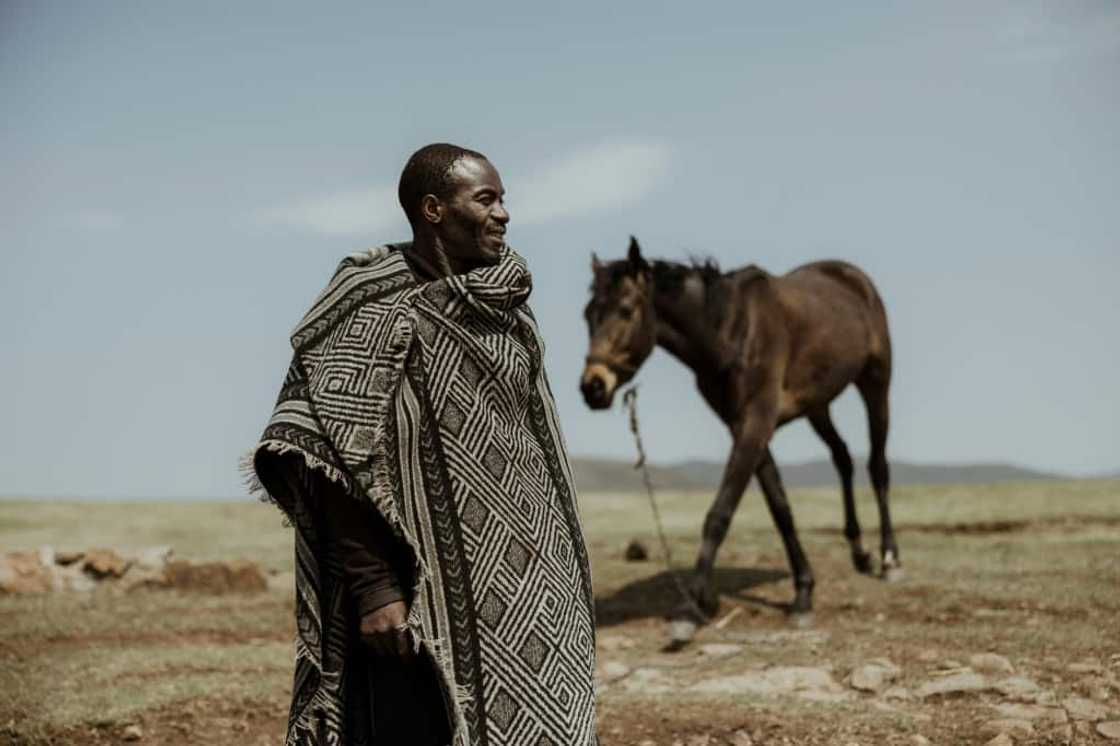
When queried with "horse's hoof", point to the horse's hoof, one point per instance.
{"points": [[681, 632], [894, 574], [801, 619], [863, 563]]}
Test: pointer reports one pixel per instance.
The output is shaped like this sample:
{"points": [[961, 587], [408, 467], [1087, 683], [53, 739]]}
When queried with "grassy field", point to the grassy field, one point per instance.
{"points": [[1029, 571]]}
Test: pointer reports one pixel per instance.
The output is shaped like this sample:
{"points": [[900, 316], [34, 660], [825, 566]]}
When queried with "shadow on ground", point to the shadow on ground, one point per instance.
{"points": [[658, 595]]}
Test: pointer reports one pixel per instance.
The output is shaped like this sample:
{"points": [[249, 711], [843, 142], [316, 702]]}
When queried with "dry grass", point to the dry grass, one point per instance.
{"points": [[1031, 571]]}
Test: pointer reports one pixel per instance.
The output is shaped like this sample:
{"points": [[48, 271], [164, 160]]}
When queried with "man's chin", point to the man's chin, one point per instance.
{"points": [[491, 249]]}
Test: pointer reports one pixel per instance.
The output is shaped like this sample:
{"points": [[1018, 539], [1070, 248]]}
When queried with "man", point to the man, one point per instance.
{"points": [[442, 586]]}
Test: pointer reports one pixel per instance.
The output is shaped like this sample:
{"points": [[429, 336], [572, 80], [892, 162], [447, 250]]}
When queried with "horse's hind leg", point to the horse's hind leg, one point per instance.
{"points": [[873, 387], [771, 482], [842, 460]]}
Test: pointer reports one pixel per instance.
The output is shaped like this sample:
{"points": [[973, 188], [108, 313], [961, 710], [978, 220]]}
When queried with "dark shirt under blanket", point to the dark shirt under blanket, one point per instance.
{"points": [[367, 550]]}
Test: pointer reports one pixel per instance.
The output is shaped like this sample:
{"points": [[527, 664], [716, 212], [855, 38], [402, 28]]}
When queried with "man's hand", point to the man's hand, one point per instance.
{"points": [[385, 631]]}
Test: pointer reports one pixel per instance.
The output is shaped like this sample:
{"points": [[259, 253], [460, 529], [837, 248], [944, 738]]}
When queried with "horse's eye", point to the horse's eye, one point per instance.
{"points": [[626, 313]]}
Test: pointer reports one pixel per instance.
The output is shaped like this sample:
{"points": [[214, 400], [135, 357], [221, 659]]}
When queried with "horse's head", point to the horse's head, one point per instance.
{"points": [[621, 325]]}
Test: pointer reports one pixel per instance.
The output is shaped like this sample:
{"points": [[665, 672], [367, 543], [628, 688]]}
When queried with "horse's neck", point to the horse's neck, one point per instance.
{"points": [[685, 325]]}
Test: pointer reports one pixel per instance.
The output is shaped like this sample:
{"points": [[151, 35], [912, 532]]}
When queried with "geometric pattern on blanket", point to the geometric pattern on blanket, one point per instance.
{"points": [[430, 401]]}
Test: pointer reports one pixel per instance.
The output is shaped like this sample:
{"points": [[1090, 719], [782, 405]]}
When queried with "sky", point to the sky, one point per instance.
{"points": [[179, 180]]}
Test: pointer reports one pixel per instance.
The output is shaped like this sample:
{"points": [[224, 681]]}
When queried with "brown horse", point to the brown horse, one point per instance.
{"points": [[765, 350]]}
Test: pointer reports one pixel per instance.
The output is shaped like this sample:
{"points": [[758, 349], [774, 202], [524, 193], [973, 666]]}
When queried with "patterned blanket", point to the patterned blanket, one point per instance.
{"points": [[430, 401]]}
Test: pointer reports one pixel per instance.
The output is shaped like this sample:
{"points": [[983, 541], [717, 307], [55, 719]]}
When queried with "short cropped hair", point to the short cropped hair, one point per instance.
{"points": [[428, 171]]}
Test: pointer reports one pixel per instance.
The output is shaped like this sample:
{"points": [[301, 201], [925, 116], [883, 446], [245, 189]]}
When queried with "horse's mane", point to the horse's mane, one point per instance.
{"points": [[671, 275]]}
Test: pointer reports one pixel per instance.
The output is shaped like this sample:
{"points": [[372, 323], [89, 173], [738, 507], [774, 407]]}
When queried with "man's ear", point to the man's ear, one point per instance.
{"points": [[596, 265], [431, 208]]}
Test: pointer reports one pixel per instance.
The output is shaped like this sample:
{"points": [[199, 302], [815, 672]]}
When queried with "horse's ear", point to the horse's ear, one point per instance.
{"points": [[596, 265], [637, 261]]}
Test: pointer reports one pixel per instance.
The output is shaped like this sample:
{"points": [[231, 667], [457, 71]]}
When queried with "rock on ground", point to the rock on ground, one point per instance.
{"points": [[1001, 740], [236, 576], [1005, 726], [807, 682], [104, 563], [22, 572], [636, 551], [1080, 708], [873, 676], [957, 683], [1032, 713], [990, 663], [719, 649], [1110, 730], [1017, 687]]}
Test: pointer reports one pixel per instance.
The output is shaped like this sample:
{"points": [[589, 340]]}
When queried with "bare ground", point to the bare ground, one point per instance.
{"points": [[1029, 572]]}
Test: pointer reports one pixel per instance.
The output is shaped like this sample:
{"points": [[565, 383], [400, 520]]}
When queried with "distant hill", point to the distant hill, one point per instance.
{"points": [[608, 475]]}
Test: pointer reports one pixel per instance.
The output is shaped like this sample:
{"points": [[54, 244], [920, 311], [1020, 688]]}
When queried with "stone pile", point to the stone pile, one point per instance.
{"points": [[50, 571]]}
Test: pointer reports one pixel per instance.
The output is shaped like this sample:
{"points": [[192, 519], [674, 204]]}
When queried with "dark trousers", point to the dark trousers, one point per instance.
{"points": [[406, 703]]}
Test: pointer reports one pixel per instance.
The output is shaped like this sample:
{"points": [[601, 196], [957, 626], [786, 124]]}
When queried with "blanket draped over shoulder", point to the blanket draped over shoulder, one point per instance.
{"points": [[430, 402]]}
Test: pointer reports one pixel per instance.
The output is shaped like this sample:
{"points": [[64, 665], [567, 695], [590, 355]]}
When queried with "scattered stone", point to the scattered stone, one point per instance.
{"points": [[104, 563], [22, 573], [990, 663], [614, 670], [648, 681], [957, 683], [1019, 687], [1110, 729], [868, 678], [1032, 713], [142, 577], [919, 740], [132, 732], [236, 576], [1001, 740], [950, 664], [611, 643], [720, 649], [741, 738], [806, 682], [899, 693], [636, 551], [71, 578], [699, 740], [1080, 708], [1085, 666], [1008, 725], [928, 656], [68, 558], [153, 558], [873, 676]]}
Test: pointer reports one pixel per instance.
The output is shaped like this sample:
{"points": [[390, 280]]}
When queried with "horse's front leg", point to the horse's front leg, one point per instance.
{"points": [[746, 452]]}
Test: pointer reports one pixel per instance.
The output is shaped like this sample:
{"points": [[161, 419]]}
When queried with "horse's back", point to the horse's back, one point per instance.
{"points": [[844, 274]]}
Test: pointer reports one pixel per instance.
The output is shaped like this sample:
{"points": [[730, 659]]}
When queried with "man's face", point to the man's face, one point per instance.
{"points": [[474, 220]]}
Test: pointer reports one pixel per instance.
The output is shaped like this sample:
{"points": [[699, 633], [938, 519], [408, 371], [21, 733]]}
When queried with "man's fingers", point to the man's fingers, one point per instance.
{"points": [[404, 644]]}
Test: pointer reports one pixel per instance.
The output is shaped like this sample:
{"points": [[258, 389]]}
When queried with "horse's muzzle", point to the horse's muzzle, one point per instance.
{"points": [[597, 386]]}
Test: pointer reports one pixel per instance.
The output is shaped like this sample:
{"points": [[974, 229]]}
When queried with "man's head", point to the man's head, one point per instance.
{"points": [[455, 195]]}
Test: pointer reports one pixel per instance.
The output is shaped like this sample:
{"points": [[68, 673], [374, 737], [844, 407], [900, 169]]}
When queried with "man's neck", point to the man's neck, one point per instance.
{"points": [[432, 258]]}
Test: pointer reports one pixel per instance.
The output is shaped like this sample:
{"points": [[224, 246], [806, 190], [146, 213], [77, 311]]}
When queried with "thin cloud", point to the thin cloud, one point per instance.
{"points": [[348, 213], [588, 181], [594, 180]]}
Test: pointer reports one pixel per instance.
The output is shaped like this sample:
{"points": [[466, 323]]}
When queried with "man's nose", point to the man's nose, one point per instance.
{"points": [[500, 213]]}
